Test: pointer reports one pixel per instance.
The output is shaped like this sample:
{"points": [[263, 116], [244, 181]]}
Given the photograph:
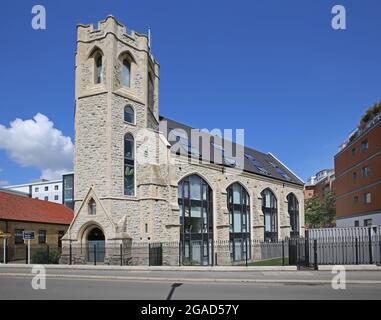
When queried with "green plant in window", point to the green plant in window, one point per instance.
{"points": [[129, 172]]}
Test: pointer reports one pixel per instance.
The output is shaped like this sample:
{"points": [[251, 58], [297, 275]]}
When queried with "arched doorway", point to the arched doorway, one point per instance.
{"points": [[196, 218], [96, 245]]}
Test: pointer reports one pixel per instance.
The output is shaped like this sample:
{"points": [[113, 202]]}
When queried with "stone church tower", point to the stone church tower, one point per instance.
{"points": [[134, 187], [119, 197]]}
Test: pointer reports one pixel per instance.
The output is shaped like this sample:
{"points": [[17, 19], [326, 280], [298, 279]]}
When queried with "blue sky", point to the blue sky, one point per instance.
{"points": [[272, 67]]}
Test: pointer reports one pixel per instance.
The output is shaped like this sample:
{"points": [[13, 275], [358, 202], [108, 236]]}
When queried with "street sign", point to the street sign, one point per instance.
{"points": [[28, 235], [4, 235]]}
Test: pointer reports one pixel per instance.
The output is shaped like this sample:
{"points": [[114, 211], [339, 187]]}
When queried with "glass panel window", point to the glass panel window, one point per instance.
{"points": [[239, 215], [236, 194], [293, 211], [367, 197], [267, 222], [196, 219], [128, 148], [129, 115], [129, 166], [269, 209], [99, 71], [364, 145], [196, 224], [195, 188], [128, 180], [92, 207], [126, 73], [196, 211], [237, 222], [42, 236], [365, 172]]}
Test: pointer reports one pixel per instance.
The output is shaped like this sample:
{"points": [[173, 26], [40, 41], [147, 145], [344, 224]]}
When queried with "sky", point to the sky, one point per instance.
{"points": [[275, 68]]}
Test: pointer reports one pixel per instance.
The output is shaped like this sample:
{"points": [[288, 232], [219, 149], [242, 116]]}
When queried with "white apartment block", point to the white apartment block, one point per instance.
{"points": [[41, 189]]}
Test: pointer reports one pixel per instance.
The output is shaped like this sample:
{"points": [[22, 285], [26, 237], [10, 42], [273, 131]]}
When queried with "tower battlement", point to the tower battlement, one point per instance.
{"points": [[89, 32]]}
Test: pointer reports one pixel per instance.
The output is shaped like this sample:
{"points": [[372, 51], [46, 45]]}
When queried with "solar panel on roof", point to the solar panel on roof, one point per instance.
{"points": [[256, 163]]}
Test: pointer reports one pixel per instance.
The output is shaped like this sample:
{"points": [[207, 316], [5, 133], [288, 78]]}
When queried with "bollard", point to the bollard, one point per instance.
{"points": [[315, 256]]}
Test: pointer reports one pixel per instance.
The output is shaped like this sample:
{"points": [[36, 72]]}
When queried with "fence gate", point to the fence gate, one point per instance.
{"points": [[299, 252], [155, 254]]}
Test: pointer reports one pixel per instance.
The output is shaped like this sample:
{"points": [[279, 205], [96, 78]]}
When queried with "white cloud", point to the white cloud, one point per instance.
{"points": [[36, 143], [3, 183]]}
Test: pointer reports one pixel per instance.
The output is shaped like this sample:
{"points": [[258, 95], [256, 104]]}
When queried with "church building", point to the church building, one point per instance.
{"points": [[141, 178]]}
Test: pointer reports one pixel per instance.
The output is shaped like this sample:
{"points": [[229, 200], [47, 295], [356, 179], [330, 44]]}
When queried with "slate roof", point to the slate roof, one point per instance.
{"points": [[20, 208], [264, 164]]}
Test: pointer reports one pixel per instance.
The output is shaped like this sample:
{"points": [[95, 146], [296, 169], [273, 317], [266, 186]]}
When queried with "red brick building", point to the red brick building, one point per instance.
{"points": [[320, 184], [20, 213], [358, 177]]}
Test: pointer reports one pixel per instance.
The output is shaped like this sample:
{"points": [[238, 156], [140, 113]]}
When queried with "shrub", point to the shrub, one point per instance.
{"points": [[40, 256], [188, 262]]}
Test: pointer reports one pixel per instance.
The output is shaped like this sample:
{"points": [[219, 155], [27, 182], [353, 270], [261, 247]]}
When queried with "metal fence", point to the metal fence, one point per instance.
{"points": [[307, 252], [38, 254], [353, 245], [348, 250]]}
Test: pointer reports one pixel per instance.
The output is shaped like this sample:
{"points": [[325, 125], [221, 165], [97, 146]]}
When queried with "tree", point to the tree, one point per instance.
{"points": [[329, 210], [321, 214]]}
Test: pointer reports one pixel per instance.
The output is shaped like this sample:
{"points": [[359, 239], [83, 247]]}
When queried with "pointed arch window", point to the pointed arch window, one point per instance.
{"points": [[129, 114], [151, 90], [195, 200], [92, 206], [129, 165], [239, 220], [270, 213], [293, 211], [126, 72], [98, 68]]}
